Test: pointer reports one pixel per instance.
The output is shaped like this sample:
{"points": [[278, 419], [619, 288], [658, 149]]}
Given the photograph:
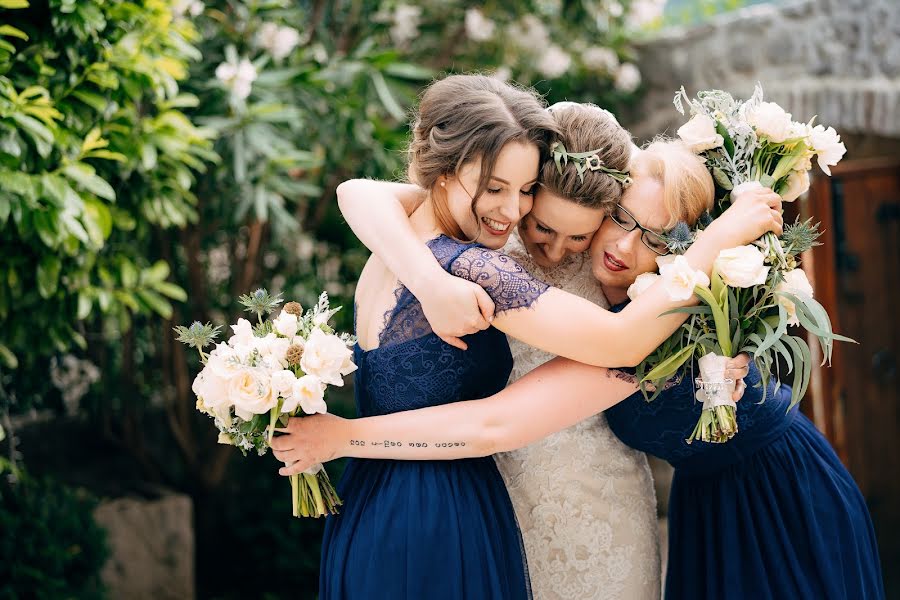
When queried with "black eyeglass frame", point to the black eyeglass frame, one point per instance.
{"points": [[644, 230]]}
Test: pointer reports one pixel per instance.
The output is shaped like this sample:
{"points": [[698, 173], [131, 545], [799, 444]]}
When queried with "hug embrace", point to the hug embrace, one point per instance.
{"points": [[500, 449]]}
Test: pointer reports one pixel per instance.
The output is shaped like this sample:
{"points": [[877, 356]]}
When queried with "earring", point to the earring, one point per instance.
{"points": [[443, 184]]}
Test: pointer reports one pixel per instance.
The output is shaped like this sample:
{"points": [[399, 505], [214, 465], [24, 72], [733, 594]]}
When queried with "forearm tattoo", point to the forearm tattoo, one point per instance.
{"points": [[622, 375], [399, 444]]}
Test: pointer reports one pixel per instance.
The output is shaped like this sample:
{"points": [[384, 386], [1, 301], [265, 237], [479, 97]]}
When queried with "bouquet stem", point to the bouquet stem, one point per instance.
{"points": [[312, 495], [718, 422]]}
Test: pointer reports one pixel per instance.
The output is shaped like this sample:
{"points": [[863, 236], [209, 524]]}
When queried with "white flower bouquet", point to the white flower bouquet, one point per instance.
{"points": [[756, 291], [266, 374]]}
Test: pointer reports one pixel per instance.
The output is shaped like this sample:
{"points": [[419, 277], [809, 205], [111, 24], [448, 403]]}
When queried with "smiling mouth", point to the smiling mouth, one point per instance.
{"points": [[612, 263], [495, 227]]}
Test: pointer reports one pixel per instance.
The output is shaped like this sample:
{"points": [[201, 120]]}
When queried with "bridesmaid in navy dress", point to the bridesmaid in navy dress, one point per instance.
{"points": [[770, 514]]}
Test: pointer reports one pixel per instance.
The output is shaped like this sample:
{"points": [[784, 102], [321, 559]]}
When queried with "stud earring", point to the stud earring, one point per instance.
{"points": [[443, 184]]}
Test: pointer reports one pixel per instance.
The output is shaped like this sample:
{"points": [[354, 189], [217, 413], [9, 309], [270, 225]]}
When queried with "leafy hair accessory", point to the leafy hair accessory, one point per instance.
{"points": [[586, 161]]}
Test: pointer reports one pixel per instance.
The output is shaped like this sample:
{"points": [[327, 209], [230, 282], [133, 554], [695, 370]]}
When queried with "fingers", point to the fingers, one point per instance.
{"points": [[455, 342], [295, 468], [777, 226], [485, 304], [739, 390]]}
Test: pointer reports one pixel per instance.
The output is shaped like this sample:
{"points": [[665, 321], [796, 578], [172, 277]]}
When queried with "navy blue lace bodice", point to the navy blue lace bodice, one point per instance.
{"points": [[413, 368]]}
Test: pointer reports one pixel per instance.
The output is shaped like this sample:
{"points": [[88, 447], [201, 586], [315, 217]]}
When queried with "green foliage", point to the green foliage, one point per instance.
{"points": [[92, 149], [51, 546]]}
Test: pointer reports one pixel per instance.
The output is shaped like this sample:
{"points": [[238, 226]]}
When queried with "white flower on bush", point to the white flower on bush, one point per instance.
{"points": [[250, 391], [828, 147], [277, 40], [796, 185], [193, 7], [742, 267], [644, 12], [795, 283], [327, 357], [406, 24], [286, 324], [309, 394], [478, 27], [770, 121], [601, 59], [529, 32], [237, 77], [628, 78], [554, 62], [503, 73], [641, 284], [680, 279], [700, 134]]}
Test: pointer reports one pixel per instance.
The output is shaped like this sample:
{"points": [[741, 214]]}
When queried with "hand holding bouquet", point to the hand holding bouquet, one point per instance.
{"points": [[266, 374], [755, 291]]}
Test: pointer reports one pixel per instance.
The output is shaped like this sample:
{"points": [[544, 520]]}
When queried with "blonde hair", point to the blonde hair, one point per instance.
{"points": [[688, 189]]}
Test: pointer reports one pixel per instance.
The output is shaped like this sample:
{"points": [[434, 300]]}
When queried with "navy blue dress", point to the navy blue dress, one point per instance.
{"points": [[430, 529], [770, 514]]}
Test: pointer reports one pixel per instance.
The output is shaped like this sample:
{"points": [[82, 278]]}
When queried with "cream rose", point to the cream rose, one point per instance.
{"points": [[286, 324], [797, 185], [700, 134], [641, 284], [742, 267], [795, 283], [770, 121], [210, 388], [828, 146], [327, 357], [309, 394], [680, 279], [251, 393], [282, 382]]}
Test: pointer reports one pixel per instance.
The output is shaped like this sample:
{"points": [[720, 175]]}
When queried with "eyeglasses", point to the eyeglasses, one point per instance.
{"points": [[649, 238]]}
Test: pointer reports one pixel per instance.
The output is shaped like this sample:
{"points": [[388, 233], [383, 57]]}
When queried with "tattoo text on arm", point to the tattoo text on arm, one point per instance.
{"points": [[398, 444]]}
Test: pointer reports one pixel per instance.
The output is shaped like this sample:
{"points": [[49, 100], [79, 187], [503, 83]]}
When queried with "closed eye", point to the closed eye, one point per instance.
{"points": [[543, 229], [578, 238], [530, 192], [494, 190]]}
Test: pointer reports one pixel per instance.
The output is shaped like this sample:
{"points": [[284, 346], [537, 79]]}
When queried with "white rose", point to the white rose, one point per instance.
{"points": [[795, 283], [278, 41], [478, 27], [628, 78], [700, 134], [770, 121], [665, 260], [308, 393], [210, 389], [641, 284], [799, 131], [327, 357], [223, 361], [243, 333], [286, 324], [680, 279], [828, 146], [742, 266], [796, 185], [251, 393], [282, 382]]}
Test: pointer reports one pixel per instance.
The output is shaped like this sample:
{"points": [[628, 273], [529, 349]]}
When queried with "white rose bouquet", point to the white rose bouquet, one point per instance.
{"points": [[755, 291], [266, 374]]}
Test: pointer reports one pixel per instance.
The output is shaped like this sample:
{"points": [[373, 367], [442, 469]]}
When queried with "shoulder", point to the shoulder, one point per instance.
{"points": [[508, 283]]}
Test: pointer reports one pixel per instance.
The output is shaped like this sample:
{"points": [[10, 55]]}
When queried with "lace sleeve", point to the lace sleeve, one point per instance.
{"points": [[508, 284]]}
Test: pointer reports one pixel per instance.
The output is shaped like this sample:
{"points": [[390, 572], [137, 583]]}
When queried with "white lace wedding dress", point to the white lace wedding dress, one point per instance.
{"points": [[585, 501]]}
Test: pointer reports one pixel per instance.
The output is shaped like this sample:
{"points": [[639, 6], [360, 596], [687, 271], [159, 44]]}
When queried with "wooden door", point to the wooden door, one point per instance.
{"points": [[856, 275]]}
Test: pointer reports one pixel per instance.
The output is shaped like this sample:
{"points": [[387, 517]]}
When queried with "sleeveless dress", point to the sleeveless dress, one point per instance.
{"points": [[430, 530], [584, 500], [770, 514]]}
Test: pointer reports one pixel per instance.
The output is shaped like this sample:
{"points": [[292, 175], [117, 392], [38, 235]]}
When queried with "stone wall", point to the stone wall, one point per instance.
{"points": [[838, 59]]}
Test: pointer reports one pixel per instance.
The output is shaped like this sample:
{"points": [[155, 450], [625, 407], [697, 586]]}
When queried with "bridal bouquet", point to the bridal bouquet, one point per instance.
{"points": [[756, 291], [267, 373]]}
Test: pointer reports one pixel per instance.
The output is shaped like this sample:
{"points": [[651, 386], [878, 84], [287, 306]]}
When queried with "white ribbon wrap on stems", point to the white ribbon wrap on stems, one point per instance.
{"points": [[713, 389]]}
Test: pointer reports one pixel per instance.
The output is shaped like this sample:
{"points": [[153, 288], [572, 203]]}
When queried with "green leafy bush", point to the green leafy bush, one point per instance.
{"points": [[51, 548]]}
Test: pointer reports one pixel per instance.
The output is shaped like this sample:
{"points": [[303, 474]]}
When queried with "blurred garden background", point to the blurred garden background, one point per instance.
{"points": [[158, 158]]}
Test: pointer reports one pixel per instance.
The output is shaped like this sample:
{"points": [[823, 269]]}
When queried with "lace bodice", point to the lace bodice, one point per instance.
{"points": [[585, 501]]}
